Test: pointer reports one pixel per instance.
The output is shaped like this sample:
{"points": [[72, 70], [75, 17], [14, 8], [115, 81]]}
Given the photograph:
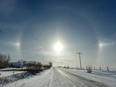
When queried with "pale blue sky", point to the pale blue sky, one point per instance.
{"points": [[32, 27]]}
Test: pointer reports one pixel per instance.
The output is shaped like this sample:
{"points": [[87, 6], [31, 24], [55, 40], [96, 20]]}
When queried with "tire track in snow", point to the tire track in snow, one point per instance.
{"points": [[65, 82], [56, 80], [73, 82]]}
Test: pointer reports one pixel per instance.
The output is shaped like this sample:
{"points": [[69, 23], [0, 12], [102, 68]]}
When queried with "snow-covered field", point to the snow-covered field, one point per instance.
{"points": [[12, 76], [106, 77], [60, 77], [9, 73]]}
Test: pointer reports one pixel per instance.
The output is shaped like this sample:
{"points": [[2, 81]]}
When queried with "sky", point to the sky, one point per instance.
{"points": [[31, 28]]}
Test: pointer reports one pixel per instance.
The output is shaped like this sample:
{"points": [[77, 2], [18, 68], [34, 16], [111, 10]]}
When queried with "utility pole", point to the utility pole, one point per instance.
{"points": [[80, 60]]}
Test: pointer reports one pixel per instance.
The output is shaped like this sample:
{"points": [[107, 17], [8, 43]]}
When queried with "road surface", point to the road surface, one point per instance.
{"points": [[56, 77]]}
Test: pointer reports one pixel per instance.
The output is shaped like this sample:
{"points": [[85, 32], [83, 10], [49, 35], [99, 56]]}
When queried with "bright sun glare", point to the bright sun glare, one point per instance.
{"points": [[58, 47], [101, 44]]}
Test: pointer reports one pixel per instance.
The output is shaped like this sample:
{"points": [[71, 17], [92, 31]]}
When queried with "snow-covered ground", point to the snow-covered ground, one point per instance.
{"points": [[60, 77], [12, 76], [106, 77], [40, 80], [9, 73]]}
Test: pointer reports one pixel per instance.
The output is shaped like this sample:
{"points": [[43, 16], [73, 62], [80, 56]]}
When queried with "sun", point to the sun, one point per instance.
{"points": [[101, 44], [58, 47]]}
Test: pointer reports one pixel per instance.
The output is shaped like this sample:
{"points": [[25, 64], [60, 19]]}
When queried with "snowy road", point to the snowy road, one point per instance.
{"points": [[56, 77]]}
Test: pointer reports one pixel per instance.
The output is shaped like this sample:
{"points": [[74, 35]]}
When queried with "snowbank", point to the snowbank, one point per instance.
{"points": [[106, 77]]}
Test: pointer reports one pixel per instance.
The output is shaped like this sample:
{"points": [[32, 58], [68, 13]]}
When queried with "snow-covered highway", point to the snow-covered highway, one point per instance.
{"points": [[55, 77]]}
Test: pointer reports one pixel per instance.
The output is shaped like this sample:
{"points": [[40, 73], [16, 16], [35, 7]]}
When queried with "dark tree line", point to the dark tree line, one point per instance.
{"points": [[35, 67], [4, 60]]}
